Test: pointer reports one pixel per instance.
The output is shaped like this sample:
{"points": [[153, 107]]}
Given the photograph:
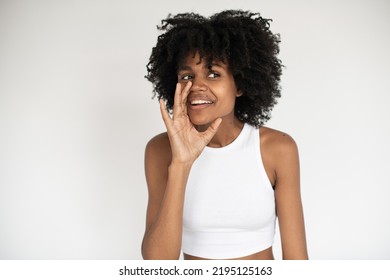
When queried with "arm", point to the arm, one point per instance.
{"points": [[288, 198], [166, 187], [167, 167]]}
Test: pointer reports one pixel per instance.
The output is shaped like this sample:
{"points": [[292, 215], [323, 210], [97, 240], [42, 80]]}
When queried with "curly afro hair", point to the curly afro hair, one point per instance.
{"points": [[240, 38]]}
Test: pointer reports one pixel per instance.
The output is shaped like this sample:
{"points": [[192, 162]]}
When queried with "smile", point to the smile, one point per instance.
{"points": [[198, 104]]}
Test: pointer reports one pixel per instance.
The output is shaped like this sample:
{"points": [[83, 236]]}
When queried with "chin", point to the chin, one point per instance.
{"points": [[200, 121], [201, 125]]}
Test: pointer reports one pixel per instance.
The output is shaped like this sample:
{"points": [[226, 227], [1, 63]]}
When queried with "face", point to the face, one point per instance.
{"points": [[213, 91]]}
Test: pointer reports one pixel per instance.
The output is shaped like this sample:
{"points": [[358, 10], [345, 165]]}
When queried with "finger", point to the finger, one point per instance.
{"points": [[212, 129], [180, 100], [164, 113], [184, 94], [177, 106]]}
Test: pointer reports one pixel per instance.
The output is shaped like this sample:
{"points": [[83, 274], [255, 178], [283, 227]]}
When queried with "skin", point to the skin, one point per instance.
{"points": [[169, 158]]}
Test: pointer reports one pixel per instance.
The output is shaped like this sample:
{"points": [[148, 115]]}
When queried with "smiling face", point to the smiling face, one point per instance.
{"points": [[213, 92]]}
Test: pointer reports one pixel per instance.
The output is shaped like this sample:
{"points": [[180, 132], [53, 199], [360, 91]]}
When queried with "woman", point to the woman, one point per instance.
{"points": [[217, 179]]}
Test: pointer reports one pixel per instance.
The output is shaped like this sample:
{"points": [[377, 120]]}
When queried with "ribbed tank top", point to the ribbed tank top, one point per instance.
{"points": [[229, 207]]}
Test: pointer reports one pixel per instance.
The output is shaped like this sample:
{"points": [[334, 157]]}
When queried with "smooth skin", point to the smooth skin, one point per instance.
{"points": [[169, 158]]}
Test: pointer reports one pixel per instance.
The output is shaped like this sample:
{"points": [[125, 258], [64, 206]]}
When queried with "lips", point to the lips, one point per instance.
{"points": [[199, 101]]}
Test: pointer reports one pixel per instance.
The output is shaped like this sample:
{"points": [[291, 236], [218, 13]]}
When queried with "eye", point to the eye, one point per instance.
{"points": [[213, 75], [186, 77]]}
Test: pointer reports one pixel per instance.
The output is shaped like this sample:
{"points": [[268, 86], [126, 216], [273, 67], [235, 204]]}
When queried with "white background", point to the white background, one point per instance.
{"points": [[76, 113]]}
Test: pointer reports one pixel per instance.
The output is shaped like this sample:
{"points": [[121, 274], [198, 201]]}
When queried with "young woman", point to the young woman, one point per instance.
{"points": [[217, 179]]}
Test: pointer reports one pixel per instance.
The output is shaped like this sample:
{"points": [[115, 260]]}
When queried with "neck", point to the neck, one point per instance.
{"points": [[227, 132]]}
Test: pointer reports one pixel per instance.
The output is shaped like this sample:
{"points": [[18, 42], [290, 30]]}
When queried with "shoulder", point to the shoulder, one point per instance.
{"points": [[279, 153], [157, 159], [158, 147], [277, 142], [159, 142]]}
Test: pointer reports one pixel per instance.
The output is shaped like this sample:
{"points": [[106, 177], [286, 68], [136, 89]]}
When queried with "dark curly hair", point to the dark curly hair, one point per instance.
{"points": [[240, 38]]}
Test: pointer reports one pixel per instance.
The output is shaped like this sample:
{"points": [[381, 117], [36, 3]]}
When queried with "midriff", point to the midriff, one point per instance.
{"points": [[266, 254]]}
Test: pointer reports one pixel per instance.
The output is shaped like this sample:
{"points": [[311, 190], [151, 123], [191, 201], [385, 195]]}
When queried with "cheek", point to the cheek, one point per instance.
{"points": [[230, 95], [229, 102]]}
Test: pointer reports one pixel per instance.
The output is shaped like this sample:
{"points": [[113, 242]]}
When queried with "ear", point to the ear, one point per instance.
{"points": [[239, 93]]}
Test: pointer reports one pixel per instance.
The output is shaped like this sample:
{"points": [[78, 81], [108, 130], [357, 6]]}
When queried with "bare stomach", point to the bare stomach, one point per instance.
{"points": [[262, 255]]}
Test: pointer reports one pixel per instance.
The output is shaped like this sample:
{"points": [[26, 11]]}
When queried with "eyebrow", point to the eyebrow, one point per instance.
{"points": [[186, 67], [183, 68]]}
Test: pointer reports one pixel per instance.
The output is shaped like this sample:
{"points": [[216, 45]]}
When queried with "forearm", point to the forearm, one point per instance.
{"points": [[163, 239]]}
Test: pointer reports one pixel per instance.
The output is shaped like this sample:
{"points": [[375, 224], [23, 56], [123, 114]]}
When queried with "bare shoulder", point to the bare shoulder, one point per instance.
{"points": [[279, 153], [158, 141], [157, 159], [277, 142], [158, 147]]}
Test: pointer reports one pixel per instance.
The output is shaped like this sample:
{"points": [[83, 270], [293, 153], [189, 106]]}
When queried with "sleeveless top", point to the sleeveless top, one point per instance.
{"points": [[229, 207]]}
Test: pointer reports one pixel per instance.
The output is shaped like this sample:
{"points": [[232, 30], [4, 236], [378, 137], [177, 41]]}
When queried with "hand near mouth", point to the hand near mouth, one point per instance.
{"points": [[186, 142]]}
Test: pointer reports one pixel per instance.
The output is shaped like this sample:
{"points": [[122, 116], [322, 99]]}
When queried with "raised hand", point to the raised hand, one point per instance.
{"points": [[186, 142]]}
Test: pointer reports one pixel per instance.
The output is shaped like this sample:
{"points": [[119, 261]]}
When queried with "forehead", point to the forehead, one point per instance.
{"points": [[192, 60]]}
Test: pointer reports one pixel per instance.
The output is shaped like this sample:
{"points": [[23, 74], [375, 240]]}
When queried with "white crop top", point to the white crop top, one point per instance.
{"points": [[229, 207]]}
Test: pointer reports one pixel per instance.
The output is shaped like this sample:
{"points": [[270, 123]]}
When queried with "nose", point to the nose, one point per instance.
{"points": [[198, 85]]}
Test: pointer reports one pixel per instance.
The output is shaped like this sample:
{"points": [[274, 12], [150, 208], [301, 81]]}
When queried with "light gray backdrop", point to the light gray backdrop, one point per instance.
{"points": [[76, 113]]}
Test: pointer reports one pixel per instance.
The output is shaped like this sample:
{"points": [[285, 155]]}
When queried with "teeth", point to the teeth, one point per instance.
{"points": [[197, 102]]}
